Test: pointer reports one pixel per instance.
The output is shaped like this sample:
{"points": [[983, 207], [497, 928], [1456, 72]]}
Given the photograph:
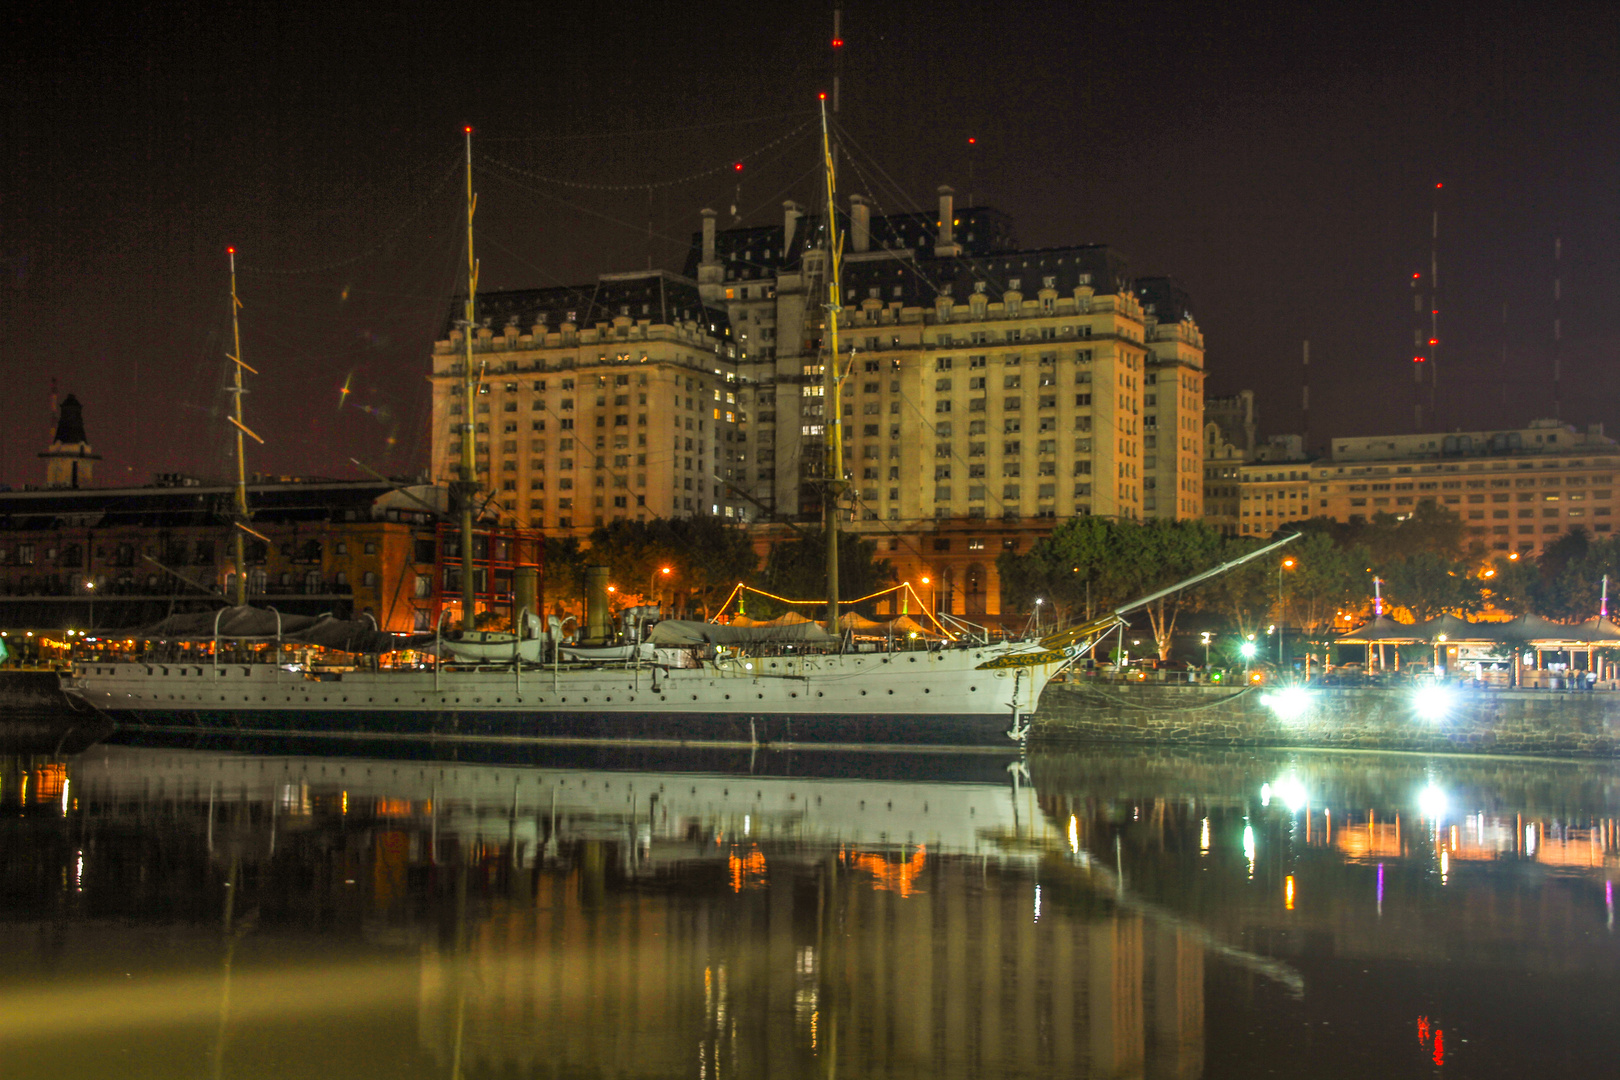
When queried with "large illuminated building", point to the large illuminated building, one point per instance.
{"points": [[993, 391], [606, 402]]}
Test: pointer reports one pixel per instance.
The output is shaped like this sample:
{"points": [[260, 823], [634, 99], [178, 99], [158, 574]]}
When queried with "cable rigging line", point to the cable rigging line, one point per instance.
{"points": [[647, 131], [387, 236], [731, 165]]}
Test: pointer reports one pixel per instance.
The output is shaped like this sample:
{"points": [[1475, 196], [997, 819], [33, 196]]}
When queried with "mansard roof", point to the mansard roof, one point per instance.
{"points": [[665, 298], [763, 251]]}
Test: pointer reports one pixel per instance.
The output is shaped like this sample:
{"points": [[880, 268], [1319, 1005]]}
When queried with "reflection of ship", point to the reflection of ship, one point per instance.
{"points": [[663, 923]]}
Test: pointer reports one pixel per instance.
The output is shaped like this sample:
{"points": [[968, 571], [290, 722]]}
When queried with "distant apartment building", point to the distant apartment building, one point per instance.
{"points": [[1515, 490]]}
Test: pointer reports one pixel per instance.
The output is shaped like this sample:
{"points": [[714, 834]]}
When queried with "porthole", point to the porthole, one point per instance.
{"points": [[761, 697], [926, 690], [794, 693], [728, 697], [891, 693], [820, 694], [863, 693], [972, 688]]}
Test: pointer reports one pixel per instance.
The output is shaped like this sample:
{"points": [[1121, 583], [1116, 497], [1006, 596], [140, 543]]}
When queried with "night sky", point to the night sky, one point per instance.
{"points": [[1280, 162]]}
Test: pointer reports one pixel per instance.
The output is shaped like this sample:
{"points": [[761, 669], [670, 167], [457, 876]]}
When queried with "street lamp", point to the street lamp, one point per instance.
{"points": [[1038, 603], [925, 581], [1286, 564], [652, 585], [1205, 636]]}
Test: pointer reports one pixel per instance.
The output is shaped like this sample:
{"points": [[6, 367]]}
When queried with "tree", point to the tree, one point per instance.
{"points": [[706, 557], [1428, 528], [1428, 584], [797, 569], [1513, 584], [713, 555], [564, 571], [1075, 565], [1167, 552], [1245, 593], [1326, 578], [1105, 563]]}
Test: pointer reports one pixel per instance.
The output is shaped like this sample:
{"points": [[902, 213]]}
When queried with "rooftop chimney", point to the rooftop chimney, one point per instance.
{"points": [[946, 244], [860, 223], [708, 234], [790, 222]]}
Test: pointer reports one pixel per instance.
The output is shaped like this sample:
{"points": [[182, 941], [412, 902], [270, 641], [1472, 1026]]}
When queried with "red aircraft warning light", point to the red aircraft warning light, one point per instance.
{"points": [[838, 43]]}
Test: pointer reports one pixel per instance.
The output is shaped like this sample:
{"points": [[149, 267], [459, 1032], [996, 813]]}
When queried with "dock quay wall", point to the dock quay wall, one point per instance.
{"points": [[1476, 721]]}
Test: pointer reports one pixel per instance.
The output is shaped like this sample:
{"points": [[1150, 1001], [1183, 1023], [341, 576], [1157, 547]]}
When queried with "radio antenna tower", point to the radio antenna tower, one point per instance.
{"points": [[1558, 328]]}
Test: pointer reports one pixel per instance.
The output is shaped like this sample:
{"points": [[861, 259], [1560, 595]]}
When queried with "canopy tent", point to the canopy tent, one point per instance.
{"points": [[1381, 631], [681, 633], [260, 624], [1600, 631], [1454, 629], [853, 622], [787, 618], [1534, 630], [906, 625]]}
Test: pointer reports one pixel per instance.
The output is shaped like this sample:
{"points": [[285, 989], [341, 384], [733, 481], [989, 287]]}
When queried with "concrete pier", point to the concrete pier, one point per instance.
{"points": [[1469, 721]]}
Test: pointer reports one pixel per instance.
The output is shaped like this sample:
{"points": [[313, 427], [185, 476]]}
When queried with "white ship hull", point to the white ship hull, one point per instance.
{"points": [[942, 697]]}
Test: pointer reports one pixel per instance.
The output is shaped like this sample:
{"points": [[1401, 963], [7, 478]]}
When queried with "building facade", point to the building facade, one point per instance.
{"points": [[114, 558], [613, 401], [1515, 490], [990, 391]]}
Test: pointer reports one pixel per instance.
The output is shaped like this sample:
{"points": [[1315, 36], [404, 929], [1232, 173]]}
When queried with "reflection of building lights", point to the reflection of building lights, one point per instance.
{"points": [[1248, 848], [1432, 803], [1074, 833], [1445, 865], [1203, 836], [1037, 903], [1292, 793], [747, 871], [1288, 893], [1265, 794], [1530, 840]]}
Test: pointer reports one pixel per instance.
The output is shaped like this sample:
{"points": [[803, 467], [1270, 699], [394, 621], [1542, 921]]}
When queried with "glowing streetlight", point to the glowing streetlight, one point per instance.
{"points": [[1286, 564], [1205, 637]]}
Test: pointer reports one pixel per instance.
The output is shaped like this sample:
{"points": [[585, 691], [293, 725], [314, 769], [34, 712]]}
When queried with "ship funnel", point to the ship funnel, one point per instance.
{"points": [[598, 622]]}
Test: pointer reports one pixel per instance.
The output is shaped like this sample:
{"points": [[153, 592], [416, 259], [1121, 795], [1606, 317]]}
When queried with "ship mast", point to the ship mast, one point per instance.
{"points": [[466, 486], [832, 471], [236, 389]]}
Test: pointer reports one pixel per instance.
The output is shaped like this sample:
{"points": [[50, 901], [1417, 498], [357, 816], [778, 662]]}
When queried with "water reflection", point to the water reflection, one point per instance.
{"points": [[1082, 914]]}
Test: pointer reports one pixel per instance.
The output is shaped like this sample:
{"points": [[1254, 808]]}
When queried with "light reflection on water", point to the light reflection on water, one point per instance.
{"points": [[178, 912]]}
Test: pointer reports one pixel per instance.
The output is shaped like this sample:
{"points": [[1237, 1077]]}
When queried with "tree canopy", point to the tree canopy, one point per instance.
{"points": [[797, 569]]}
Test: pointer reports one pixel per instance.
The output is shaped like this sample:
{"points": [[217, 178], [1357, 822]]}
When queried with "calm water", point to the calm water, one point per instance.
{"points": [[253, 912]]}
